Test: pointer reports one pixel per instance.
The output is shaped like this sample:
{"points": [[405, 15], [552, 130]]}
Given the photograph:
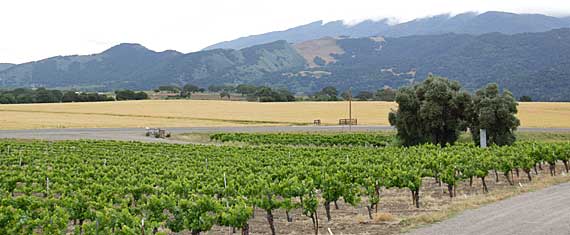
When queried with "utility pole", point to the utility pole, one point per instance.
{"points": [[350, 109]]}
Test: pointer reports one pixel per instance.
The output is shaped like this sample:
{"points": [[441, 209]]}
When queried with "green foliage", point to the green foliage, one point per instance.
{"points": [[72, 96], [326, 94], [364, 96], [430, 112], [188, 89], [299, 139], [245, 89], [169, 88], [386, 94], [494, 112], [525, 98], [42, 95], [266, 94], [130, 95], [110, 187]]}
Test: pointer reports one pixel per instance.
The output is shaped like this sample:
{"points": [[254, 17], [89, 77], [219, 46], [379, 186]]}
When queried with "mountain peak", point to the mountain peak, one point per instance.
{"points": [[127, 47]]}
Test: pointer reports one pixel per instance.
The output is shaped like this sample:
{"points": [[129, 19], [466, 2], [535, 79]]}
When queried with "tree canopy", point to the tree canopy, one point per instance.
{"points": [[431, 112], [495, 112]]}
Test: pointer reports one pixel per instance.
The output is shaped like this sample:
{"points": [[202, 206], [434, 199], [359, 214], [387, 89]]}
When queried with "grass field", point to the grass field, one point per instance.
{"points": [[189, 113]]}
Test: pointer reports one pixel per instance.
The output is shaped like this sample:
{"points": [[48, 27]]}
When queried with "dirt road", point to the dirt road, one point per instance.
{"points": [[137, 134], [543, 212]]}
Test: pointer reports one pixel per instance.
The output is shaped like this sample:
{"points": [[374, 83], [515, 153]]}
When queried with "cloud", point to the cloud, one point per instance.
{"points": [[35, 29]]}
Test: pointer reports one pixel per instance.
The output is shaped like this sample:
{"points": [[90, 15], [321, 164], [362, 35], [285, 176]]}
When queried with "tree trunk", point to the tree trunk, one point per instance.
{"points": [[496, 176], [450, 190], [245, 230], [195, 232], [528, 174], [316, 223], [485, 189], [535, 170], [566, 165], [418, 198], [552, 168], [270, 221], [377, 190], [335, 205], [508, 179], [289, 218], [328, 210], [413, 197], [369, 211], [517, 171], [471, 181]]}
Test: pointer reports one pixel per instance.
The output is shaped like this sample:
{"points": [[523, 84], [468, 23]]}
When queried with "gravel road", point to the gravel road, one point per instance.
{"points": [[542, 212], [137, 134]]}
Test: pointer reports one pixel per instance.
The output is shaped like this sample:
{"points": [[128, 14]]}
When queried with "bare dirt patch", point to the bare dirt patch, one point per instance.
{"points": [[323, 48]]}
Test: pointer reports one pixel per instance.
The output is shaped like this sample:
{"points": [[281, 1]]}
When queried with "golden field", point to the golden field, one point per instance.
{"points": [[197, 113]]}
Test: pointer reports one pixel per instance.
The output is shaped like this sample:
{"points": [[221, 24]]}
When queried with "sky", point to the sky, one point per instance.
{"points": [[37, 29]]}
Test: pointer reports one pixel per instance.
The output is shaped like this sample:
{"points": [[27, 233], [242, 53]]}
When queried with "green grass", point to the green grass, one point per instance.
{"points": [[542, 137]]}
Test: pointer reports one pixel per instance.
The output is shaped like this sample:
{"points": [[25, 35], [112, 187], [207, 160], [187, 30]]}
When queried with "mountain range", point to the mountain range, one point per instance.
{"points": [[4, 66], [469, 23], [535, 62]]}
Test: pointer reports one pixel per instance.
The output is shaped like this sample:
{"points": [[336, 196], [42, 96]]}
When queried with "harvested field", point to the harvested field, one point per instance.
{"points": [[201, 113]]}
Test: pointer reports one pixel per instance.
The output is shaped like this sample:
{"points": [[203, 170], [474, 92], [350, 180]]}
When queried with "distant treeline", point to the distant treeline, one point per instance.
{"points": [[42, 95], [130, 95], [268, 94]]}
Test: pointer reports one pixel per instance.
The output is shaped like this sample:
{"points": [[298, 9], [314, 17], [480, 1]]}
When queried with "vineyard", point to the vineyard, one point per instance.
{"points": [[341, 139], [105, 187]]}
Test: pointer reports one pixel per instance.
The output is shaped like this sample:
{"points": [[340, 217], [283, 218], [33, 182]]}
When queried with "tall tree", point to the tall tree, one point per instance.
{"points": [[495, 112], [431, 112], [188, 89]]}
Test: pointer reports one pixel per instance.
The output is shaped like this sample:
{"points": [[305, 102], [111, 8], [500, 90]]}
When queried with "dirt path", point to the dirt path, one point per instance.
{"points": [[543, 212]]}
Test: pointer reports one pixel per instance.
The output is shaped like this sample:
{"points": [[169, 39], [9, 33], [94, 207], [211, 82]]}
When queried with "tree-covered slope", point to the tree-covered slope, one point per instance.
{"points": [[467, 23], [135, 67], [534, 64]]}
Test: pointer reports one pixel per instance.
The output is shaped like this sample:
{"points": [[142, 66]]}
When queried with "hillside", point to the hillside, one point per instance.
{"points": [[136, 67], [4, 66], [534, 64], [477, 24], [467, 23], [307, 32]]}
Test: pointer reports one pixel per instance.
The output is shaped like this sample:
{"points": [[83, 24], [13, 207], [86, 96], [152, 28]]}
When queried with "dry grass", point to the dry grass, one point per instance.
{"points": [[384, 217], [189, 113], [544, 114]]}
